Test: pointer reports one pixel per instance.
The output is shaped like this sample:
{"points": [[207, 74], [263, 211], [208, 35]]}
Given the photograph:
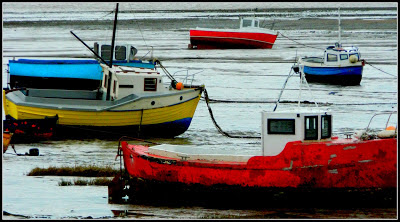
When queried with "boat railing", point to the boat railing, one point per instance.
{"points": [[187, 76], [368, 134], [390, 113]]}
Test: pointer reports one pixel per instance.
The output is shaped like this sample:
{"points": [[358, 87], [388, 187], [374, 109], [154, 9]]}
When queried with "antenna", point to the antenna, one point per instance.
{"points": [[112, 55]]}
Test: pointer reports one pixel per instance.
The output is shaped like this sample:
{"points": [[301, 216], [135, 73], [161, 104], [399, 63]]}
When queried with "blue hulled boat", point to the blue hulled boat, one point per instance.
{"points": [[342, 66]]}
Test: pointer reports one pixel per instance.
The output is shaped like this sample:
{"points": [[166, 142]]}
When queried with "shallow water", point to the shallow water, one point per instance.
{"points": [[41, 30]]}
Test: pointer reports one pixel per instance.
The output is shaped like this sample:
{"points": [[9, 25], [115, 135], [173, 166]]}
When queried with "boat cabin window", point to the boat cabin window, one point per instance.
{"points": [[246, 23], [150, 84], [326, 126], [331, 58], [115, 87], [311, 128], [105, 52], [132, 53], [120, 52], [255, 23], [281, 126], [344, 57]]}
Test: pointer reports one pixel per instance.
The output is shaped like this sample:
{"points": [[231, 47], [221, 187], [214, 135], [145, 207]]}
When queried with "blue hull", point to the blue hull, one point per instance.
{"points": [[338, 75], [162, 130]]}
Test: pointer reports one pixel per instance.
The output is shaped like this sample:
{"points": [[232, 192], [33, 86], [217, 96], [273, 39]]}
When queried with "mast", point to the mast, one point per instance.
{"points": [[112, 53], [340, 44]]}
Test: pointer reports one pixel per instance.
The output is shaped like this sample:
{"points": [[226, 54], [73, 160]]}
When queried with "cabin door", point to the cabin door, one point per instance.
{"points": [[311, 127]]}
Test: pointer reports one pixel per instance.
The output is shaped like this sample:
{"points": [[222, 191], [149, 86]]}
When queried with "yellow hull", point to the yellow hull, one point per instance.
{"points": [[107, 118]]}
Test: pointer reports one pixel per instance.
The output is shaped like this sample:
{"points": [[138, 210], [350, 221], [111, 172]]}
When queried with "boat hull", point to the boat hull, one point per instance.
{"points": [[160, 130], [155, 192], [206, 39], [30, 130], [351, 75], [170, 115], [341, 164]]}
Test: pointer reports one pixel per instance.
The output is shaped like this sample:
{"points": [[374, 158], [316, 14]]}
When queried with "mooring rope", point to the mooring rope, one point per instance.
{"points": [[297, 41], [218, 127], [379, 69]]}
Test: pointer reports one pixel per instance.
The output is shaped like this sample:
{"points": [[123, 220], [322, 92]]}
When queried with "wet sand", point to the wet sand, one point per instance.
{"points": [[229, 75]]}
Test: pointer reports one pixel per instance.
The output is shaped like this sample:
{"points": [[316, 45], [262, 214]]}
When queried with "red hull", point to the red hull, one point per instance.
{"points": [[202, 39], [340, 163]]}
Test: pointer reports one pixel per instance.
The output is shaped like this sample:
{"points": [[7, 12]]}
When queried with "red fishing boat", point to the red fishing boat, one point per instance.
{"points": [[294, 155], [248, 36], [298, 155]]}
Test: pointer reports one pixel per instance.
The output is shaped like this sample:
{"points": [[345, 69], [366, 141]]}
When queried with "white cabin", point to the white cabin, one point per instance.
{"points": [[125, 52], [301, 124], [336, 55], [131, 80], [249, 22]]}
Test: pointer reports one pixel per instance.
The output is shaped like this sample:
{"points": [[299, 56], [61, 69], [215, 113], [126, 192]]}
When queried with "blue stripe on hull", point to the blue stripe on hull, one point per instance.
{"points": [[353, 70], [162, 130]]}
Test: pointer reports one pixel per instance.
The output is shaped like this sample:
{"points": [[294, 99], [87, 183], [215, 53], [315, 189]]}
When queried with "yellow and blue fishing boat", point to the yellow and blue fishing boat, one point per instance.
{"points": [[130, 101]]}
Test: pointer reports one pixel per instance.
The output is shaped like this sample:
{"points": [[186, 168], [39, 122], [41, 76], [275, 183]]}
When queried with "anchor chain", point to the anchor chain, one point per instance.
{"points": [[207, 99]]}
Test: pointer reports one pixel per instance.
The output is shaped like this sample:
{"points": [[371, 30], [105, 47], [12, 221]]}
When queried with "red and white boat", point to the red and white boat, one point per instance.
{"points": [[248, 36], [298, 154], [297, 151]]}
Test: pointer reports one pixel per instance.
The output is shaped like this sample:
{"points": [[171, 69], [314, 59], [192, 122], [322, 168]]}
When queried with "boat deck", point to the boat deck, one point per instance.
{"points": [[186, 152], [313, 59]]}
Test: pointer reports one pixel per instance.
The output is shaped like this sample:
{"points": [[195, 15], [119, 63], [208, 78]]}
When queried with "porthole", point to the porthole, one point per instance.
{"points": [[152, 103], [181, 98]]}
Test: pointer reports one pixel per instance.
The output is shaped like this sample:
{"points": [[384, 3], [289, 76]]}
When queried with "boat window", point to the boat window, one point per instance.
{"points": [[246, 23], [326, 129], [344, 57], [311, 128], [150, 84], [132, 53], [281, 126], [332, 58], [120, 52], [256, 23], [105, 52]]}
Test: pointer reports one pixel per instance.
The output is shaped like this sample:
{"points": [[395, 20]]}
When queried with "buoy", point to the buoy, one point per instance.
{"points": [[353, 59], [390, 128], [179, 86], [33, 152]]}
